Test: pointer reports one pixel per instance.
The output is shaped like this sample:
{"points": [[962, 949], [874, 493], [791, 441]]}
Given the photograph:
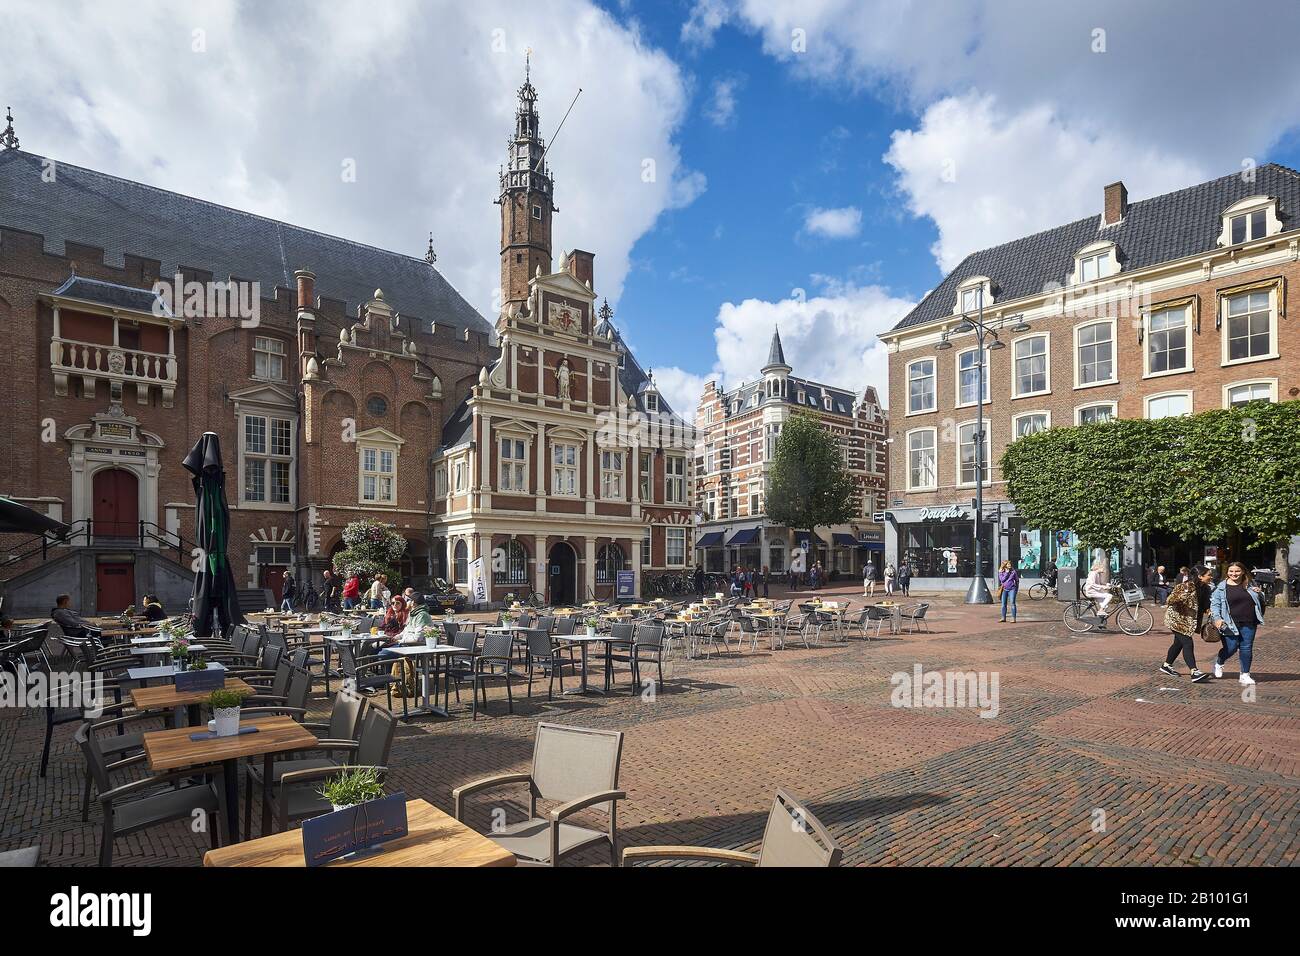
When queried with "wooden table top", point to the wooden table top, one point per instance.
{"points": [[165, 697], [173, 749], [435, 839]]}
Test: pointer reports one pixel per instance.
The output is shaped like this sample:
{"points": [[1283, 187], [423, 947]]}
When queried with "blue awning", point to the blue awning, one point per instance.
{"points": [[873, 545], [710, 540], [747, 536], [844, 539]]}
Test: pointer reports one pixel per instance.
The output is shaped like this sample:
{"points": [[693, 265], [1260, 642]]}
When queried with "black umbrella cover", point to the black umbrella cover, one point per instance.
{"points": [[214, 583]]}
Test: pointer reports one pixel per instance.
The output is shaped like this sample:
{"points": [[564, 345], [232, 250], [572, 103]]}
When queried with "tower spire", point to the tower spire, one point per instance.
{"points": [[430, 256], [8, 139], [526, 200], [775, 353]]}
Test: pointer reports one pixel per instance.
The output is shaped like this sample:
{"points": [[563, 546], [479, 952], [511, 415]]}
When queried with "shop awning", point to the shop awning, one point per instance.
{"points": [[747, 536], [808, 536], [872, 545], [844, 540], [710, 540]]}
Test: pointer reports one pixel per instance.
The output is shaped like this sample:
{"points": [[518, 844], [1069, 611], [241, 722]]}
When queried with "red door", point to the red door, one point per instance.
{"points": [[272, 576], [114, 587], [116, 507]]}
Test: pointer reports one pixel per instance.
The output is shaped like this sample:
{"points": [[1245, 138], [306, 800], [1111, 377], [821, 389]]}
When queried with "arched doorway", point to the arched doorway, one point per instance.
{"points": [[116, 504], [562, 574]]}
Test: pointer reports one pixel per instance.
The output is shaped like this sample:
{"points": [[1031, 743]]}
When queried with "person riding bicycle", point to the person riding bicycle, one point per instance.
{"points": [[1098, 588], [1049, 574]]}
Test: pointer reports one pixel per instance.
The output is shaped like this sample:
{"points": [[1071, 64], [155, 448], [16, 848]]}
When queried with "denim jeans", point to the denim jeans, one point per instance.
{"points": [[1245, 641], [1009, 601]]}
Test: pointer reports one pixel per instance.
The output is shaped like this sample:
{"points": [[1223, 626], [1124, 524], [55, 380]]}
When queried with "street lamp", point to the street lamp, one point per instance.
{"points": [[978, 592]]}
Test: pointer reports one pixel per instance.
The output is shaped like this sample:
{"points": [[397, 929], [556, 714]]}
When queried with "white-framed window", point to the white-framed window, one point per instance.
{"points": [[1031, 374], [651, 402], [1095, 266], [675, 480], [645, 549], [537, 213], [675, 542], [1094, 349], [268, 459], [268, 358], [1028, 423], [378, 474], [1249, 225], [970, 299], [971, 294], [564, 469], [1169, 405], [1239, 393], [440, 481], [512, 465], [773, 436], [460, 475], [966, 466], [920, 386], [1169, 341], [1249, 327], [460, 562], [611, 475], [968, 376], [1096, 412], [609, 561], [922, 470], [646, 476]]}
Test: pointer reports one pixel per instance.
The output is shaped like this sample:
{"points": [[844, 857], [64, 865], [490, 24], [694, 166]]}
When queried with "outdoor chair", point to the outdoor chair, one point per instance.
{"points": [[544, 655], [367, 674], [650, 644], [712, 632], [618, 649], [793, 837], [491, 663], [878, 616], [147, 802], [546, 623], [915, 617], [564, 626], [750, 627], [574, 767], [294, 696]]}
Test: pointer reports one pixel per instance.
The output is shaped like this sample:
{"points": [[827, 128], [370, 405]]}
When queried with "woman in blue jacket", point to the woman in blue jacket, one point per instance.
{"points": [[1238, 610]]}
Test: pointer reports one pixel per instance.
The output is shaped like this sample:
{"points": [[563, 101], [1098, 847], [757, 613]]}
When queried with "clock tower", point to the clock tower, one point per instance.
{"points": [[527, 202]]}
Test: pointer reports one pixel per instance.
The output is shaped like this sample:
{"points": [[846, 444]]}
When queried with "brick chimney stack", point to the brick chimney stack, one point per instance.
{"points": [[306, 289], [582, 266], [1116, 204]]}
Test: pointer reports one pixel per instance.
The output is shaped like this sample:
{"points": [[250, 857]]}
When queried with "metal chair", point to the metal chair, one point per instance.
{"points": [[574, 767], [491, 663], [915, 617], [543, 653], [793, 837], [650, 643], [618, 649]]}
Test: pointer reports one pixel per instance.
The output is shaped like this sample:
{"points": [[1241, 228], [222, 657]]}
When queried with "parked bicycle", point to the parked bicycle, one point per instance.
{"points": [[1041, 589], [1129, 614]]}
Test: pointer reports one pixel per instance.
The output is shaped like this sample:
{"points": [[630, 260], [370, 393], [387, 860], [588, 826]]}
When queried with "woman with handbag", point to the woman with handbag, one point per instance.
{"points": [[1008, 585], [1238, 611], [1185, 610]]}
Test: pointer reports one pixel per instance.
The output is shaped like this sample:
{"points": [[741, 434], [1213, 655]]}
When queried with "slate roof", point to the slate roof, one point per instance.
{"points": [[841, 400], [120, 216], [1160, 229], [111, 294], [457, 429], [632, 377]]}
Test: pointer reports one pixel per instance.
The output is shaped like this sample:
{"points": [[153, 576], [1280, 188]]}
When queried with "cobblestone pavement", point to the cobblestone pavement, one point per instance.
{"points": [[1092, 758]]}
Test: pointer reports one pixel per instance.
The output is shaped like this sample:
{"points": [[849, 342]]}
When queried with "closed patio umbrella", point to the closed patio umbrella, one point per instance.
{"points": [[214, 584]]}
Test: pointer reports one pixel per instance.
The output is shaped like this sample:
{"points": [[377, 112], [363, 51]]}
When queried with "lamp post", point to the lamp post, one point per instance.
{"points": [[978, 592]]}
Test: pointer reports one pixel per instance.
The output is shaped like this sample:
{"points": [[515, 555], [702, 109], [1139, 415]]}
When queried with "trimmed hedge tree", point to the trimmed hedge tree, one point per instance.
{"points": [[372, 548]]}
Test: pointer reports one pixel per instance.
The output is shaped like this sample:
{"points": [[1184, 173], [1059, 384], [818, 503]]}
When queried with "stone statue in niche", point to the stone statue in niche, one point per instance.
{"points": [[562, 376]]}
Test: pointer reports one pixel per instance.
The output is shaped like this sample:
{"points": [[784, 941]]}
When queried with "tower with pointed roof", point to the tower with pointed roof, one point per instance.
{"points": [[527, 202], [776, 370]]}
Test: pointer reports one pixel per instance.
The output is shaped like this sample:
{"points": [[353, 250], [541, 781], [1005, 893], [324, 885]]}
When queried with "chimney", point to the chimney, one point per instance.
{"points": [[306, 290], [1116, 204], [582, 266]]}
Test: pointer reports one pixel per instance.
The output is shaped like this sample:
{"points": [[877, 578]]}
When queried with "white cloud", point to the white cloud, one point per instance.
{"points": [[704, 20], [842, 223], [721, 110], [681, 389], [420, 95]]}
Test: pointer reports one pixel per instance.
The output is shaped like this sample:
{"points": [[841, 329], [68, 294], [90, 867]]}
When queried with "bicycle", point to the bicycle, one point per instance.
{"points": [[1131, 617], [1039, 590]]}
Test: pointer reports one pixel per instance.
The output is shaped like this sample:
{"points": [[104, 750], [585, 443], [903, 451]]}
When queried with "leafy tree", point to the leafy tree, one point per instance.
{"points": [[808, 484], [372, 548]]}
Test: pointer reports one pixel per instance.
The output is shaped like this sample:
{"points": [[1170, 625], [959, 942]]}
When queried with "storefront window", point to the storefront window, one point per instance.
{"points": [[945, 549]]}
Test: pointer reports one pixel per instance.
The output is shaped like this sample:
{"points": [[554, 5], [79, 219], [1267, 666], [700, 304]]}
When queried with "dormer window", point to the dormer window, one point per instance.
{"points": [[1248, 219], [1096, 261], [973, 294], [970, 299], [651, 402]]}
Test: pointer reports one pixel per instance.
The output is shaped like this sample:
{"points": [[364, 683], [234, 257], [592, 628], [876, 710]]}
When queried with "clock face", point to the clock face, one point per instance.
{"points": [[563, 317]]}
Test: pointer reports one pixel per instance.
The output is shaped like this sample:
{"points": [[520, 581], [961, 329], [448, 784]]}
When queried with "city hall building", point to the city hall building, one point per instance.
{"points": [[737, 432], [344, 382], [1167, 306]]}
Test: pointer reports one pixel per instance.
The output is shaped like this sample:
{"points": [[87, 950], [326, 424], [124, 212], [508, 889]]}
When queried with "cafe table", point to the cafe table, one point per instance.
{"points": [[425, 653], [155, 650], [150, 639], [434, 838], [167, 697], [583, 640], [895, 609], [172, 749]]}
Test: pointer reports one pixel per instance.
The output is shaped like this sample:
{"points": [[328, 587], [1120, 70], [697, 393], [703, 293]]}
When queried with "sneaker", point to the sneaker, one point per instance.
{"points": [[1199, 676], [1218, 669], [1169, 669], [1245, 679]]}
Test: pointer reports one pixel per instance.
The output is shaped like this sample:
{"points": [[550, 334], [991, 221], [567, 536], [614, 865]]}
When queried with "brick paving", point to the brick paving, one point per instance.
{"points": [[1087, 732]]}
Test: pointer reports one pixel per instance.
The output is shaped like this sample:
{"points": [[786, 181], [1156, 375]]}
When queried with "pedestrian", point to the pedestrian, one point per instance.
{"points": [[869, 579], [288, 591], [375, 594], [748, 575], [1185, 610], [1162, 587], [699, 581], [891, 578], [1238, 611], [352, 591], [1008, 585], [330, 586], [1049, 574], [763, 576], [905, 577]]}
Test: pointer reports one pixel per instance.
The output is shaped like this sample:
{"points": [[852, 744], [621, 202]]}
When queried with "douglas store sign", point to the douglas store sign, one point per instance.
{"points": [[942, 514]]}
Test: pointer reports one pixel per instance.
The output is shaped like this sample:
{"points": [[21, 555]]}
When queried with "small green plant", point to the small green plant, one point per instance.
{"points": [[353, 786], [198, 664], [591, 621], [225, 699]]}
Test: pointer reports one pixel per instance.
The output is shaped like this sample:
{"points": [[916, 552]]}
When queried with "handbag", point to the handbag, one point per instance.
{"points": [[1209, 633]]}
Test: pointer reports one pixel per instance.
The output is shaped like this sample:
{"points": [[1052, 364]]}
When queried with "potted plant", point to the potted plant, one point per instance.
{"points": [[180, 649], [199, 675], [225, 706], [592, 622], [430, 634], [352, 787]]}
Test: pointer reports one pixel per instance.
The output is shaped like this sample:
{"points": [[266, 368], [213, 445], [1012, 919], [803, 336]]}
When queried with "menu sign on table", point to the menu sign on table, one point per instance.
{"points": [[362, 827]]}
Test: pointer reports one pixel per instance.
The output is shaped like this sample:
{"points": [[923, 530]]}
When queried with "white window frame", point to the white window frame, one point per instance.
{"points": [[1114, 354], [266, 457], [647, 549], [1245, 207], [907, 385], [1269, 383], [957, 370], [1047, 364], [1078, 409], [987, 448], [675, 480], [440, 481], [513, 471], [1224, 323], [378, 473], [1015, 421], [1186, 309], [561, 469], [1178, 393], [645, 476], [1091, 253], [934, 465], [460, 476], [671, 533], [259, 349], [613, 462], [975, 284]]}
